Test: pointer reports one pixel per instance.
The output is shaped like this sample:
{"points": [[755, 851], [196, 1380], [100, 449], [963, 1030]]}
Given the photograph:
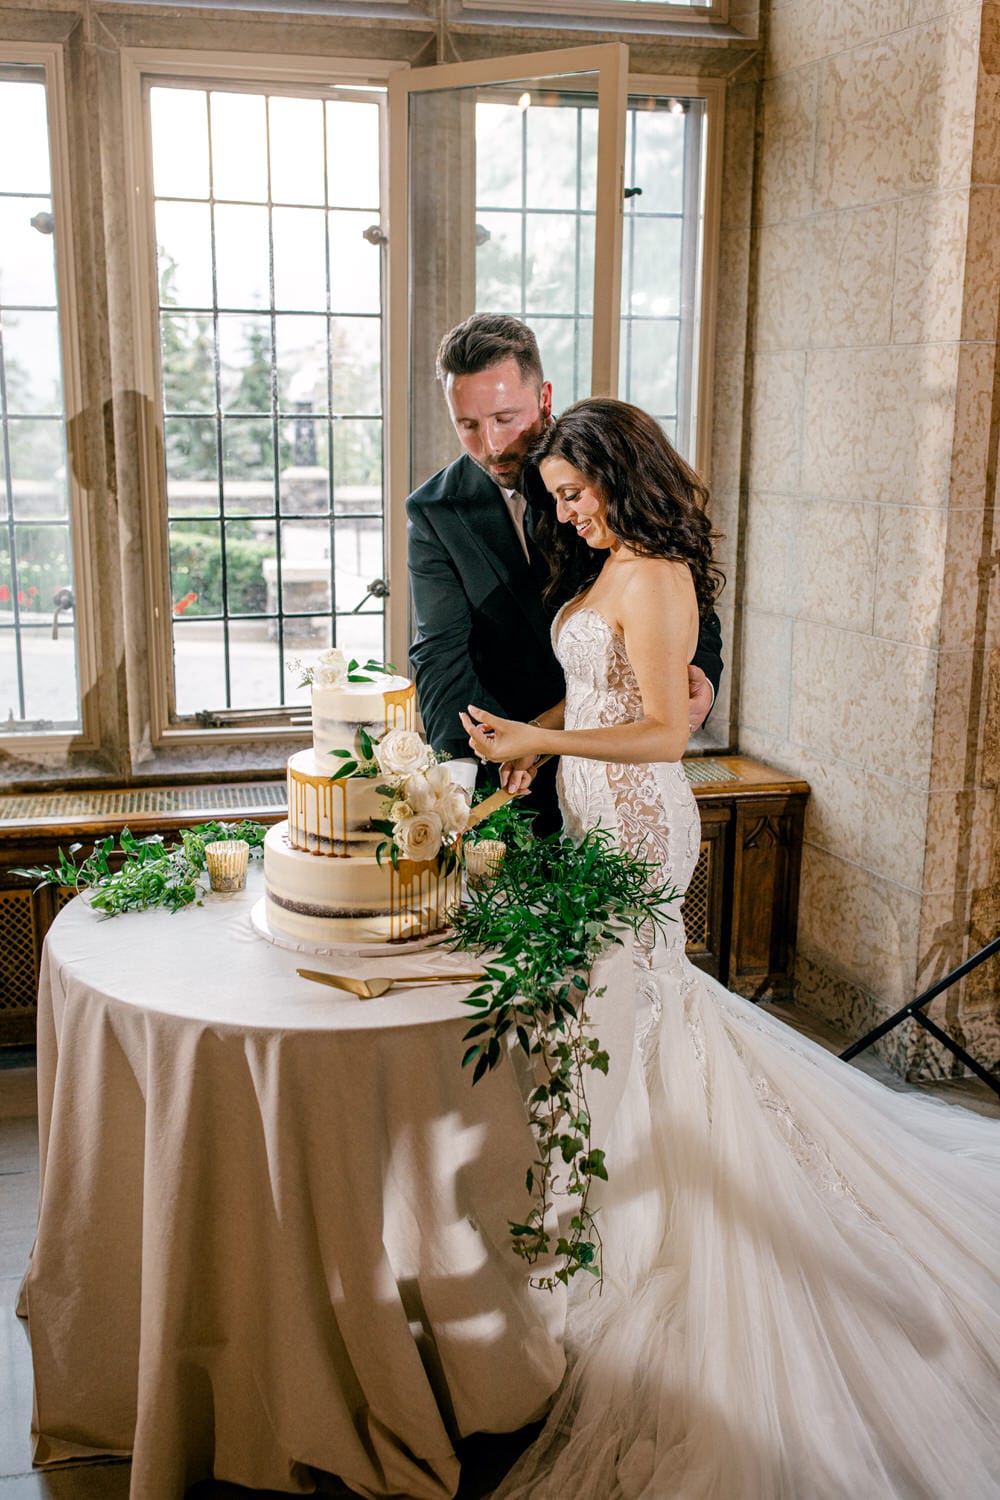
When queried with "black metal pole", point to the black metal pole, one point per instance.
{"points": [[908, 1010]]}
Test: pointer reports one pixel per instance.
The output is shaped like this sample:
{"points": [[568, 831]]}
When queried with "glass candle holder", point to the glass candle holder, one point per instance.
{"points": [[482, 862], [227, 864]]}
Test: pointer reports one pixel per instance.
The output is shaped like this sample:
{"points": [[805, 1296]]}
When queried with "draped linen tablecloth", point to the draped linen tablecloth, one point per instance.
{"points": [[272, 1233]]}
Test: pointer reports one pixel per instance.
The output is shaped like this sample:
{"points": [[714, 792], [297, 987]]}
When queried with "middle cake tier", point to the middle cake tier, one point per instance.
{"points": [[331, 817]]}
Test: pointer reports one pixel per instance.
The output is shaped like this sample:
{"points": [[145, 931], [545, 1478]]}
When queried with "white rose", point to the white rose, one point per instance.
{"points": [[419, 837], [330, 669], [401, 752], [419, 792], [401, 811], [439, 778], [452, 807]]}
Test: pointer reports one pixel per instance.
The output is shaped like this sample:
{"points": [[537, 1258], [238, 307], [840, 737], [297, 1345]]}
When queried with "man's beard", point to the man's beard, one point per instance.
{"points": [[510, 472]]}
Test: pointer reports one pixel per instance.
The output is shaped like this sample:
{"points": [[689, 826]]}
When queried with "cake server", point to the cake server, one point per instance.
{"points": [[370, 989], [497, 799]]}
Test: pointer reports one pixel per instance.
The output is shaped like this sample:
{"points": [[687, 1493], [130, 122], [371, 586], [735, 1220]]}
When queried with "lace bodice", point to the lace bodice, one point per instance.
{"points": [[650, 808]]}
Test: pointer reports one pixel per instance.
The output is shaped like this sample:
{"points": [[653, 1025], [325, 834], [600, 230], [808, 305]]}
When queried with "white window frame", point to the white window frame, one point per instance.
{"points": [[57, 743], [618, 13], [713, 91], [138, 65]]}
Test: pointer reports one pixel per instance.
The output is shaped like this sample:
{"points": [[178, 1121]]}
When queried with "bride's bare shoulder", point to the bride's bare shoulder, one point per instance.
{"points": [[656, 579]]}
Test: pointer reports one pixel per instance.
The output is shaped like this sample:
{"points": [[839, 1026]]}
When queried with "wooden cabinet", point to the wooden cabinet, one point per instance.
{"points": [[741, 908], [739, 912]]}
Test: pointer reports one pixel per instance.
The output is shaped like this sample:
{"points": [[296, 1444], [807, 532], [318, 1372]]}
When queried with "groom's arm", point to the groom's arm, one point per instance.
{"points": [[447, 681]]}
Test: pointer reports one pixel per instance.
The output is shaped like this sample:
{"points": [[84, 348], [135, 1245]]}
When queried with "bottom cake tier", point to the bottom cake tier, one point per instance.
{"points": [[323, 899]]}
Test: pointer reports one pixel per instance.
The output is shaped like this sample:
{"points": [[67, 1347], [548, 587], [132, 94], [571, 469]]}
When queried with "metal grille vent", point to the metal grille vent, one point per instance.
{"points": [[241, 797], [707, 769], [696, 904], [17, 951]]}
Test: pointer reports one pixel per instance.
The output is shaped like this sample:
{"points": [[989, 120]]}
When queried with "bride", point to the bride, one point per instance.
{"points": [[801, 1296]]}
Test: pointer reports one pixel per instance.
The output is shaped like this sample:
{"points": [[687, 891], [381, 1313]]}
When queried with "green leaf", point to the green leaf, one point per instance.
{"points": [[365, 741], [347, 769]]}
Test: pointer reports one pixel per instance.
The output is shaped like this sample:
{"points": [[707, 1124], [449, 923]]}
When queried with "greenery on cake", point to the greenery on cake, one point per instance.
{"points": [[332, 668], [150, 874], [553, 909]]}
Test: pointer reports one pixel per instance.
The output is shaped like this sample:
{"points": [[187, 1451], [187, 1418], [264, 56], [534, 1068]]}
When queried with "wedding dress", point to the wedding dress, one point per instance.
{"points": [[800, 1297]]}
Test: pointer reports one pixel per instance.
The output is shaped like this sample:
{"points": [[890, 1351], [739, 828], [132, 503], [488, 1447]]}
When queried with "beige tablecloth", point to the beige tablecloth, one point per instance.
{"points": [[272, 1228]]}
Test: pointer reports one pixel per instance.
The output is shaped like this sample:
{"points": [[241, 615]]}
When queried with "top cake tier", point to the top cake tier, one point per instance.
{"points": [[339, 713]]}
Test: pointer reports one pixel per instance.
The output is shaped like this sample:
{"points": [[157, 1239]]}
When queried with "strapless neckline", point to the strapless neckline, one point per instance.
{"points": [[562, 620]]}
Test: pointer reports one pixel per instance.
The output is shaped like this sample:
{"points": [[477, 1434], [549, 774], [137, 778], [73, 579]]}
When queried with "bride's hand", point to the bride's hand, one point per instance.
{"points": [[496, 739]]}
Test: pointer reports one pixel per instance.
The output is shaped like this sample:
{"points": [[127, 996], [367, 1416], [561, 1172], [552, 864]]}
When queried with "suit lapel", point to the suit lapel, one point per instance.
{"points": [[480, 508]]}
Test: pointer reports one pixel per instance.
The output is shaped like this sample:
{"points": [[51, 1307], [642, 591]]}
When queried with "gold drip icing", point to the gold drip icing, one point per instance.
{"points": [[316, 791], [399, 707]]}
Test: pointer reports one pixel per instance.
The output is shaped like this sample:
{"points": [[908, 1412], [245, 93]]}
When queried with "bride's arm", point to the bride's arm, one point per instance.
{"points": [[658, 615], [517, 775]]}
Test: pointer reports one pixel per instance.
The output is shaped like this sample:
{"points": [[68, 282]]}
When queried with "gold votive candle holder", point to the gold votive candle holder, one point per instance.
{"points": [[482, 862], [227, 864]]}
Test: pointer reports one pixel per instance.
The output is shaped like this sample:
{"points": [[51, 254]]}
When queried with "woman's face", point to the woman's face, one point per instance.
{"points": [[578, 503]]}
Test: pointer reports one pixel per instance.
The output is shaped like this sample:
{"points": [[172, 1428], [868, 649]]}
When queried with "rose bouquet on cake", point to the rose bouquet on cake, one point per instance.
{"points": [[425, 811]]}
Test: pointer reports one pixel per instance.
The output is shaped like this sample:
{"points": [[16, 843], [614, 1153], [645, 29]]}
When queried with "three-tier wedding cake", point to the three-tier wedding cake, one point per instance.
{"points": [[369, 850]]}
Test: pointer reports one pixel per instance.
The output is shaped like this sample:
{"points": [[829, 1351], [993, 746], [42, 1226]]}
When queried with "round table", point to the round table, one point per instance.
{"points": [[272, 1233]]}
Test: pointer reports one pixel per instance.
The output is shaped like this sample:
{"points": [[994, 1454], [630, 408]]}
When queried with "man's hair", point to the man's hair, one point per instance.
{"points": [[483, 341]]}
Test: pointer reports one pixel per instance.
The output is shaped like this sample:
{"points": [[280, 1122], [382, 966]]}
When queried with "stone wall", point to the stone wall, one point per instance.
{"points": [[869, 605]]}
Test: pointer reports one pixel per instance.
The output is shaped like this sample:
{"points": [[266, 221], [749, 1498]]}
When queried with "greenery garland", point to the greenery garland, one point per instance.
{"points": [[151, 874], [553, 909]]}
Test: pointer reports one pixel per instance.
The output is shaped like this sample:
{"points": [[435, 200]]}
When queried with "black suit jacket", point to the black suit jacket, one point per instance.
{"points": [[482, 631]]}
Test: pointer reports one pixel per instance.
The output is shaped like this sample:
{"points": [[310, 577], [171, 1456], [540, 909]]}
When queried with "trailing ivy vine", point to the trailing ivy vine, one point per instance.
{"points": [[554, 908]]}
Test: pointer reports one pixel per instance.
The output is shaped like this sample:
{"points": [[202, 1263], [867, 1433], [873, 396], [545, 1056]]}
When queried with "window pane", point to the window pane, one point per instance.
{"points": [[23, 119], [184, 254], [300, 258], [239, 147], [245, 363], [305, 480], [357, 365], [498, 155], [556, 250], [652, 367], [39, 690], [192, 465], [242, 256], [248, 382], [180, 142], [195, 568], [27, 266], [658, 160], [31, 352], [655, 268], [199, 664], [302, 362], [246, 552], [352, 147], [552, 179], [297, 166], [187, 354], [355, 265], [357, 459]]}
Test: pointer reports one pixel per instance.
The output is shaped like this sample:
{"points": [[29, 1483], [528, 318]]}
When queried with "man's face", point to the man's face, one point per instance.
{"points": [[498, 417]]}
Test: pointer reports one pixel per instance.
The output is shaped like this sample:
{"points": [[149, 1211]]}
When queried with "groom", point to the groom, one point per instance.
{"points": [[476, 573]]}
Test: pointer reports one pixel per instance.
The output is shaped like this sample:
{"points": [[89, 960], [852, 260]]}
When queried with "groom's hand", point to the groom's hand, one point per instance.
{"points": [[701, 697]]}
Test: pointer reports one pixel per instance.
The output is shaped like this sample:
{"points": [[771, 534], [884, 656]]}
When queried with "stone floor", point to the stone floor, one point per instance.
{"points": [[484, 1459]]}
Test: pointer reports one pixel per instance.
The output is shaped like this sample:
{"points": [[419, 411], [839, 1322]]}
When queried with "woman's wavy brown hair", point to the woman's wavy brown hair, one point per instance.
{"points": [[655, 501]]}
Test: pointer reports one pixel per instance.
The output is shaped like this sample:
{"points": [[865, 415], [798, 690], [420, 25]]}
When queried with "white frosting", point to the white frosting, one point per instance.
{"points": [[339, 712], [353, 900]]}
